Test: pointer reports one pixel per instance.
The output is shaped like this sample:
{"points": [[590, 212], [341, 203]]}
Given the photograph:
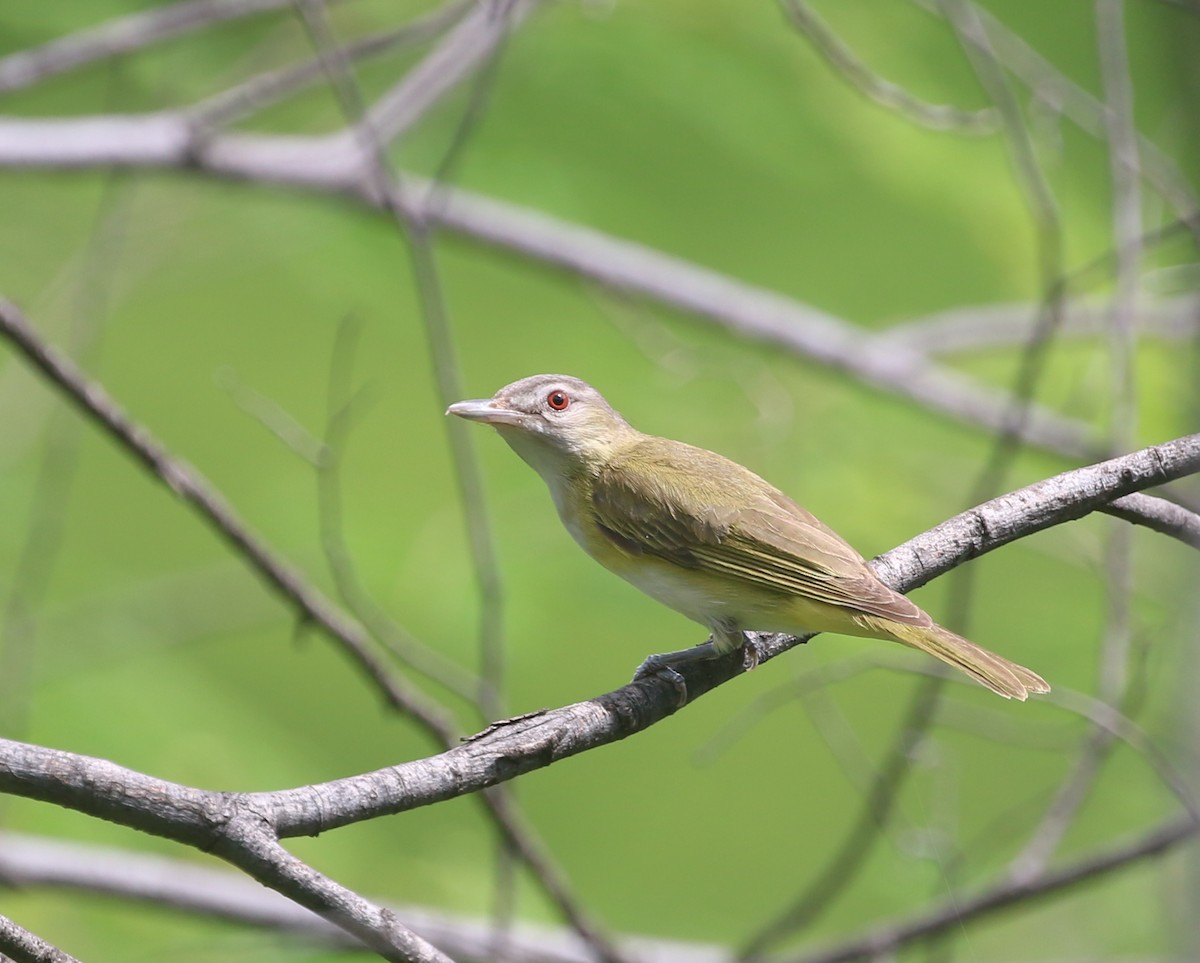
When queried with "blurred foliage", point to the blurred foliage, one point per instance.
{"points": [[708, 129]]}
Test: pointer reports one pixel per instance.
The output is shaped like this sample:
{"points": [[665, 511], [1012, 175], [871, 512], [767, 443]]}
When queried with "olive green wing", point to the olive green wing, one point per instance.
{"points": [[703, 512]]}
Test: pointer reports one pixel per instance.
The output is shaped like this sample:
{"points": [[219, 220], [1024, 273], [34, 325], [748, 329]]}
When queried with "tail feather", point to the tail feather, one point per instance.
{"points": [[997, 673]]}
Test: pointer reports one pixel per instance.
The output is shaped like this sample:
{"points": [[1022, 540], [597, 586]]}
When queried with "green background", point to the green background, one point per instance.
{"points": [[712, 131]]}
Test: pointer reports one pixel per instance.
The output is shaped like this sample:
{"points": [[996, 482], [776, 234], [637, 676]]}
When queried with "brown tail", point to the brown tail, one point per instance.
{"points": [[1001, 676]]}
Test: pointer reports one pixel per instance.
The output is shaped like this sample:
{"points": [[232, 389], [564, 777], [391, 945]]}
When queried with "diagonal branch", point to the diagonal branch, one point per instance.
{"points": [[308, 601], [243, 828], [470, 44], [123, 35], [21, 946], [1159, 515], [510, 749], [331, 165], [885, 940], [267, 88], [840, 57], [31, 861]]}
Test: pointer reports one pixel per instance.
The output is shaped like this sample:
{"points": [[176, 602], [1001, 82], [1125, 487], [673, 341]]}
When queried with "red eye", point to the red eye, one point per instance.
{"points": [[558, 400]]}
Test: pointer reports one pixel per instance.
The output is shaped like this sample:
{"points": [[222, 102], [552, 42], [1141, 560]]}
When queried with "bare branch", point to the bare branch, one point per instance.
{"points": [[1086, 110], [340, 408], [270, 87], [24, 947], [522, 745], [1158, 514], [312, 606], [452, 61], [844, 61], [983, 327], [329, 165], [242, 827], [32, 861], [959, 910], [122, 36], [516, 836]]}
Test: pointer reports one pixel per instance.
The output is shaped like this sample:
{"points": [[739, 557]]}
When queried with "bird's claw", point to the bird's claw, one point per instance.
{"points": [[749, 654], [657, 666]]}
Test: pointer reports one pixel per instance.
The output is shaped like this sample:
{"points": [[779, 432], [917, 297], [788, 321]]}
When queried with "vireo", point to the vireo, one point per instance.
{"points": [[709, 538]]}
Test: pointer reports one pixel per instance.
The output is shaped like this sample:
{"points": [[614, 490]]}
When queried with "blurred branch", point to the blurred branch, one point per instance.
{"points": [[56, 469], [97, 405], [1083, 108], [1113, 682], [813, 681], [838, 54], [959, 910], [517, 837], [986, 326], [842, 866], [270, 87], [470, 44], [32, 861], [123, 35], [323, 164], [21, 946], [340, 411], [890, 777]]}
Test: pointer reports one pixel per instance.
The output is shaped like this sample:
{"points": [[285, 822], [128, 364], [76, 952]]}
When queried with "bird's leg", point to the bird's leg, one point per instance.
{"points": [[663, 665], [726, 638], [665, 662]]}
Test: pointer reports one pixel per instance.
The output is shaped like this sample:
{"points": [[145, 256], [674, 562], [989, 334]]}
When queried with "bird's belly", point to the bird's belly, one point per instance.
{"points": [[710, 599], [704, 597]]}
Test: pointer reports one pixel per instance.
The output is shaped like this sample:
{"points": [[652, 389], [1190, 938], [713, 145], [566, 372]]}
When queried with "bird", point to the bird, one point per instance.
{"points": [[709, 538]]}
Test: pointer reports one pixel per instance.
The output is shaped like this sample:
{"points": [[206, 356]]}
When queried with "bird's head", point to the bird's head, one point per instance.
{"points": [[554, 422]]}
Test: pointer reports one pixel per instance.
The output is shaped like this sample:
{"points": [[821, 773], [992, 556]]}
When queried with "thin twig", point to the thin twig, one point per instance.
{"points": [[515, 834], [984, 327], [470, 44], [843, 865], [271, 87], [1113, 681], [757, 314], [95, 403], [56, 470], [121, 36], [340, 411], [960, 910], [1083, 108], [838, 54], [35, 862]]}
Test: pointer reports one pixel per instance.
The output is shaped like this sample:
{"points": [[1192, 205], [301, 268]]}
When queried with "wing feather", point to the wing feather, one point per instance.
{"points": [[736, 525]]}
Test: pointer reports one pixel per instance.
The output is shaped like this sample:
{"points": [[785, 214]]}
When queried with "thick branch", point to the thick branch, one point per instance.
{"points": [[510, 749]]}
